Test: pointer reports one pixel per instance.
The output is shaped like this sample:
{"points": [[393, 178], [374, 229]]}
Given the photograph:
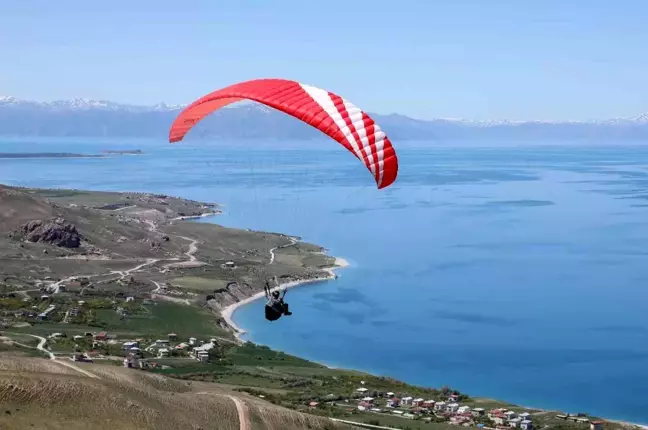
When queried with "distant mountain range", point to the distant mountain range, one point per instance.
{"points": [[102, 118]]}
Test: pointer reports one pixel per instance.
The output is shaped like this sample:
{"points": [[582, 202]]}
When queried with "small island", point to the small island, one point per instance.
{"points": [[123, 152]]}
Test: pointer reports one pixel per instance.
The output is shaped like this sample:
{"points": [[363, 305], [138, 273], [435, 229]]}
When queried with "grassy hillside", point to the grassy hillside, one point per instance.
{"points": [[48, 395]]}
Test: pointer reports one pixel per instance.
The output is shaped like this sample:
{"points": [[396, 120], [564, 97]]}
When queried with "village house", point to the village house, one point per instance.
{"points": [[201, 352], [459, 420], [161, 343], [128, 361], [368, 399], [100, 336], [526, 425], [515, 422], [496, 412], [478, 412], [440, 406], [428, 404], [498, 419], [510, 415], [363, 406], [417, 402], [452, 408], [596, 425], [359, 390], [192, 341], [163, 352], [313, 405], [406, 401], [202, 356], [172, 336], [394, 402], [130, 345], [463, 409]]}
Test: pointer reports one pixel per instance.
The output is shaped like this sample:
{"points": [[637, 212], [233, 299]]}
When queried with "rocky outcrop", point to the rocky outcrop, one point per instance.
{"points": [[55, 231]]}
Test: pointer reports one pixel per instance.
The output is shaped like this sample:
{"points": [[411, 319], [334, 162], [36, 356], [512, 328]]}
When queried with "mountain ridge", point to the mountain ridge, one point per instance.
{"points": [[104, 118]]}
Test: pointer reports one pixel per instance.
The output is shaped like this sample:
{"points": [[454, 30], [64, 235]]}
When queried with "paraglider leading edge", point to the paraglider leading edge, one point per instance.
{"points": [[331, 114]]}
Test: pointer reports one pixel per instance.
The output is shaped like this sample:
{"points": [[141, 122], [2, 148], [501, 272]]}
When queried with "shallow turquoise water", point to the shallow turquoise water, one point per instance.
{"points": [[515, 273]]}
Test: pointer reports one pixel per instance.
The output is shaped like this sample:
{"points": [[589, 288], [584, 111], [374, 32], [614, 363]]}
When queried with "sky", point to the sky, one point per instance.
{"points": [[481, 59]]}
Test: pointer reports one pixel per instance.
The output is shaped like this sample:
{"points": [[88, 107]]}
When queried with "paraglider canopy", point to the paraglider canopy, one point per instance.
{"points": [[331, 114]]}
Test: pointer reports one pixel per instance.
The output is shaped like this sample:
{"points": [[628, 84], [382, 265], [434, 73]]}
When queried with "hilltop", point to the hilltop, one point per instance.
{"points": [[36, 393], [102, 118]]}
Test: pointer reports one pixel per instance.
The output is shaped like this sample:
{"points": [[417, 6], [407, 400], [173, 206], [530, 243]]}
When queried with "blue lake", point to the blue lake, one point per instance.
{"points": [[508, 271]]}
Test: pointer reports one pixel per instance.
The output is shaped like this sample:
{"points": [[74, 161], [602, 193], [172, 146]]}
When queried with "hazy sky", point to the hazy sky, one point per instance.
{"points": [[481, 59]]}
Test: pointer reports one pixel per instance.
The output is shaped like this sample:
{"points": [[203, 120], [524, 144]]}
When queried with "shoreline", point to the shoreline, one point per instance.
{"points": [[228, 311], [192, 217]]}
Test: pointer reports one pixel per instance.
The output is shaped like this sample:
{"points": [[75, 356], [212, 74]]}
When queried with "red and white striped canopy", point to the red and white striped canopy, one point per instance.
{"points": [[336, 117]]}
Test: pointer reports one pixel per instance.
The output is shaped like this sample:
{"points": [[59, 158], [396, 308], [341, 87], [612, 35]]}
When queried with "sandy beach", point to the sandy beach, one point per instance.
{"points": [[228, 311], [191, 217]]}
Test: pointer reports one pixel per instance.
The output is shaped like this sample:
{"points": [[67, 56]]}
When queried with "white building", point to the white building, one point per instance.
{"points": [[440, 406], [163, 352], [510, 415], [452, 407], [526, 425], [515, 422], [406, 401], [130, 345], [463, 409], [201, 353]]}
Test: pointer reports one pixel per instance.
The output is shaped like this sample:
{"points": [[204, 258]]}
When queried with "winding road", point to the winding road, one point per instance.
{"points": [[41, 347], [272, 251], [241, 408]]}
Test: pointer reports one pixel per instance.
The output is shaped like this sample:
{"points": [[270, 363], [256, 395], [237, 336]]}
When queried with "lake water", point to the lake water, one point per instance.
{"points": [[513, 272]]}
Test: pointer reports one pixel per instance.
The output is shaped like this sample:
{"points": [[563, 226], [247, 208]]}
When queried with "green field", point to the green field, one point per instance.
{"points": [[163, 318], [198, 284]]}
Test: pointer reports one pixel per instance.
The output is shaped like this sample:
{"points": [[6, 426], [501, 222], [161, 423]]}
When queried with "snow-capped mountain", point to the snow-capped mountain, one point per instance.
{"points": [[85, 117], [81, 104]]}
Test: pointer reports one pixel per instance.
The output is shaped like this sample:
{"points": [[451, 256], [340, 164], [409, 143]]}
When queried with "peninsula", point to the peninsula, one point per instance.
{"points": [[115, 312], [14, 155]]}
